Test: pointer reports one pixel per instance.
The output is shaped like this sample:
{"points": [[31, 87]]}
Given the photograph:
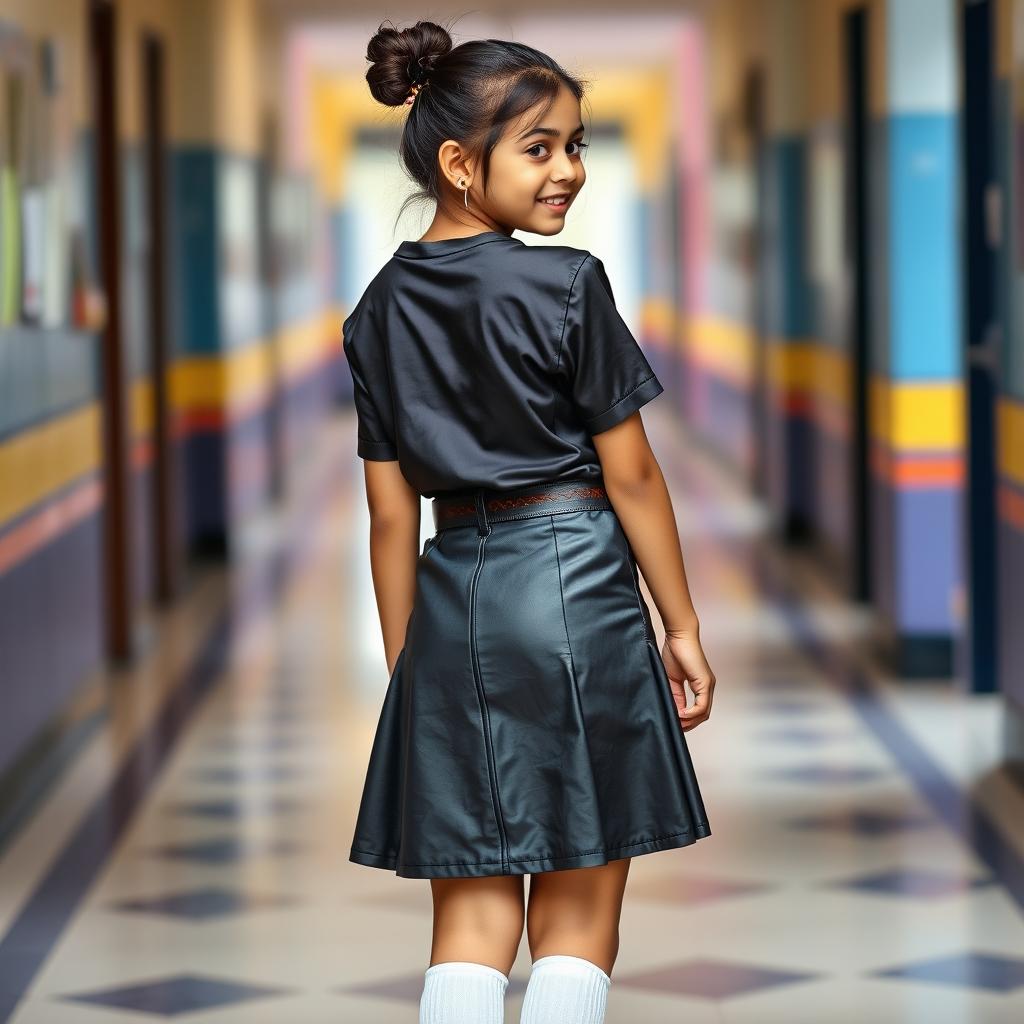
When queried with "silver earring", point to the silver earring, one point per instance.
{"points": [[465, 194]]}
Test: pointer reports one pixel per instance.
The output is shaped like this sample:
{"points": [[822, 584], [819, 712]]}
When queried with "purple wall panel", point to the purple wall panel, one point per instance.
{"points": [[51, 631]]}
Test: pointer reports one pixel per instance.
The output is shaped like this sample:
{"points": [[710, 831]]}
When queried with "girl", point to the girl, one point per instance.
{"points": [[530, 725]]}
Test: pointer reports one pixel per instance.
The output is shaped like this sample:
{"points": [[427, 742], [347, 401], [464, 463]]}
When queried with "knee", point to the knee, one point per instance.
{"points": [[600, 948], [482, 923], [496, 926], [542, 930], [561, 906], [577, 931]]}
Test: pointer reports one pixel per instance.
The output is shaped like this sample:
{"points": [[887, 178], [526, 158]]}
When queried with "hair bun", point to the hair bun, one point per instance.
{"points": [[401, 58]]}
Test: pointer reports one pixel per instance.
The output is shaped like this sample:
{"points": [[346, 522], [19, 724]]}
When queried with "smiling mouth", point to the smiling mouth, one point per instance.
{"points": [[556, 202]]}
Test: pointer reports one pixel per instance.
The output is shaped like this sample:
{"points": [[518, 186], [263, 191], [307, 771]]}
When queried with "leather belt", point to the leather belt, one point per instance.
{"points": [[484, 506]]}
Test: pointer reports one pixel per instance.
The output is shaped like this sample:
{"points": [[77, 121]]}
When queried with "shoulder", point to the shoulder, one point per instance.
{"points": [[579, 272], [552, 269], [553, 260], [362, 313]]}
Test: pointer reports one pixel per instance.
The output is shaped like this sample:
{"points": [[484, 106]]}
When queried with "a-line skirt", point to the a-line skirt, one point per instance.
{"points": [[528, 724]]}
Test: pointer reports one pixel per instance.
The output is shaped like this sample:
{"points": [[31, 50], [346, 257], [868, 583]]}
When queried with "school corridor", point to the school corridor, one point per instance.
{"points": [[810, 213], [185, 857]]}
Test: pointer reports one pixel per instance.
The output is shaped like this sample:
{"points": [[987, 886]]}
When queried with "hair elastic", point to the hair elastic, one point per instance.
{"points": [[413, 91]]}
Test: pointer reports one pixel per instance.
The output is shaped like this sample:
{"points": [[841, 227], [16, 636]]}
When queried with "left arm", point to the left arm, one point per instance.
{"points": [[394, 548]]}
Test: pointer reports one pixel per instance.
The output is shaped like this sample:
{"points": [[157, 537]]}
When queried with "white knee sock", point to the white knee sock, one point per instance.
{"points": [[463, 992], [565, 990]]}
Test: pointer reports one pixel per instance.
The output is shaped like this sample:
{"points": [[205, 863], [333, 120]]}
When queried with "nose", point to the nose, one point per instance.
{"points": [[563, 170]]}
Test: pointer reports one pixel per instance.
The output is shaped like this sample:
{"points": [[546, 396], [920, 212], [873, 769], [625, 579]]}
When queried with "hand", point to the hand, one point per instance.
{"points": [[684, 661]]}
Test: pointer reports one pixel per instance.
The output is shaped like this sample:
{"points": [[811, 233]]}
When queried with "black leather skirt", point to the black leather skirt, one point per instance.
{"points": [[528, 725]]}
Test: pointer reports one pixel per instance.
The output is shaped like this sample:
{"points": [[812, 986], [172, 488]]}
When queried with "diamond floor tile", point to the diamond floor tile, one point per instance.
{"points": [[711, 979], [170, 997], [826, 774], [202, 904], [692, 889], [968, 970], [872, 824], [912, 882], [232, 808], [223, 851]]}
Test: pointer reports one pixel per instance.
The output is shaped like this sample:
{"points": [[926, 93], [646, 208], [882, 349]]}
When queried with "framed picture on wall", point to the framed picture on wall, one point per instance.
{"points": [[36, 182]]}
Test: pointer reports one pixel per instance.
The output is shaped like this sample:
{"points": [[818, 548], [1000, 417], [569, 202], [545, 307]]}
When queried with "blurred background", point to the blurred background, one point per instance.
{"points": [[812, 214]]}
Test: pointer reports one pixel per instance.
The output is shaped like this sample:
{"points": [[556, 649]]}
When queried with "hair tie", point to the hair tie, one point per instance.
{"points": [[414, 91], [418, 75]]}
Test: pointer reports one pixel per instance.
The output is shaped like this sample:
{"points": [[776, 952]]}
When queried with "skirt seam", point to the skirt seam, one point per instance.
{"points": [[527, 860], [485, 718], [572, 662]]}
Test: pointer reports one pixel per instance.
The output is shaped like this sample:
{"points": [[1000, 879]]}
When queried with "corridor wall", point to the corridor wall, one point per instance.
{"points": [[914, 413], [254, 335]]}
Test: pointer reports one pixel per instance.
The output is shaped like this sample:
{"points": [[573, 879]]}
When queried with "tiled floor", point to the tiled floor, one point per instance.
{"points": [[190, 859]]}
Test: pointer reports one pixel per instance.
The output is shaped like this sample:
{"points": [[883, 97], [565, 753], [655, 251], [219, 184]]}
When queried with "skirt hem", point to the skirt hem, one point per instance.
{"points": [[528, 865]]}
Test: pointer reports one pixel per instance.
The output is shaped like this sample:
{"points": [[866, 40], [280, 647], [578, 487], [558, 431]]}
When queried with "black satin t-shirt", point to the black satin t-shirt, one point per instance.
{"points": [[486, 362]]}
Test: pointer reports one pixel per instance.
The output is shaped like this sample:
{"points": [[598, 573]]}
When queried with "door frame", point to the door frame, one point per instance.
{"points": [[165, 504], [856, 244], [980, 197], [117, 533]]}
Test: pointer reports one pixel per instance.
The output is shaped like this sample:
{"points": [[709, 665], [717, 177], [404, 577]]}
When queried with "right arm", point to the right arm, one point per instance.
{"points": [[639, 495], [609, 379]]}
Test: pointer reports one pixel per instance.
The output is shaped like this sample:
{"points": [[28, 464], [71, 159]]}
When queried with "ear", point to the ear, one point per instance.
{"points": [[455, 163]]}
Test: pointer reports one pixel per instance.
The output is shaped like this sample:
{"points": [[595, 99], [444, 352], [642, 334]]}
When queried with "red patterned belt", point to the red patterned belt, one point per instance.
{"points": [[484, 506]]}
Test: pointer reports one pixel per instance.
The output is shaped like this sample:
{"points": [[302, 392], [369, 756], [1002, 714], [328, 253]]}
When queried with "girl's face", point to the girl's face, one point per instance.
{"points": [[530, 165]]}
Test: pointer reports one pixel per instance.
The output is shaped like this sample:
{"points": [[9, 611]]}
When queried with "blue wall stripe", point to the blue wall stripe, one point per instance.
{"points": [[788, 297], [925, 311], [195, 302]]}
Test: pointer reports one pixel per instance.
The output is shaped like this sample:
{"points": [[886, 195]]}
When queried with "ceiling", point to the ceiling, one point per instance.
{"points": [[337, 10]]}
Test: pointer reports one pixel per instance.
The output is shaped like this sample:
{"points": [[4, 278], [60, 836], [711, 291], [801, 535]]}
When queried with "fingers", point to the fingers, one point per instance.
{"points": [[700, 710], [678, 695], [702, 681]]}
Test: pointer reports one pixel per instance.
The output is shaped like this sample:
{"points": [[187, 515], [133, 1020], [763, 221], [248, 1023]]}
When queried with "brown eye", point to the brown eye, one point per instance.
{"points": [[541, 145]]}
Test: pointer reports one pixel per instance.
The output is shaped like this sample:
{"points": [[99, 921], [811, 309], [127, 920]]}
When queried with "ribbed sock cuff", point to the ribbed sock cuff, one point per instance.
{"points": [[463, 992], [565, 990], [570, 963]]}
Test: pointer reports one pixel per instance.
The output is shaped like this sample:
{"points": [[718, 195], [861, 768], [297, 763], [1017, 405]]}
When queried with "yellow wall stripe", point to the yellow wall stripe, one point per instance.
{"points": [[792, 365], [241, 378], [723, 346], [43, 459], [46, 458], [905, 415], [915, 415], [1010, 423]]}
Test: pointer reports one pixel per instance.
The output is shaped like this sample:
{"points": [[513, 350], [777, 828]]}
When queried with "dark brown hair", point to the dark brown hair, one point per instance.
{"points": [[472, 92]]}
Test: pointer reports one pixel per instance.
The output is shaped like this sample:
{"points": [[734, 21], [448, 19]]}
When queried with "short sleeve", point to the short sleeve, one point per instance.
{"points": [[371, 391], [607, 373]]}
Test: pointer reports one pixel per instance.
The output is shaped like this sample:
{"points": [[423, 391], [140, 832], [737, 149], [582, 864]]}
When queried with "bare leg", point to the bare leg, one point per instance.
{"points": [[478, 919], [576, 912]]}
